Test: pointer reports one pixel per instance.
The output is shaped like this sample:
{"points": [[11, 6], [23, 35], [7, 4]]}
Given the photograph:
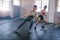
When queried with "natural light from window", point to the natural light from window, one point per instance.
{"points": [[4, 5], [58, 6], [16, 2], [41, 3]]}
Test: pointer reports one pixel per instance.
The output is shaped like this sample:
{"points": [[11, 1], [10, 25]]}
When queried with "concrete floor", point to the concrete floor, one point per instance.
{"points": [[7, 31]]}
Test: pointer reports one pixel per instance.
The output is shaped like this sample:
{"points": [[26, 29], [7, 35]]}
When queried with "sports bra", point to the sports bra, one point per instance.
{"points": [[43, 12], [33, 13]]}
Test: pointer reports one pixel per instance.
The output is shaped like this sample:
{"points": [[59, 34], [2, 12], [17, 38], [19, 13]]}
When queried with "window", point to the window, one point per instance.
{"points": [[41, 3], [58, 6], [16, 2], [4, 5], [38, 3]]}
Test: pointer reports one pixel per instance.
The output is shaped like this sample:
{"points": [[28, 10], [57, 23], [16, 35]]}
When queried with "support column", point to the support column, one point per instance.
{"points": [[11, 8], [51, 10]]}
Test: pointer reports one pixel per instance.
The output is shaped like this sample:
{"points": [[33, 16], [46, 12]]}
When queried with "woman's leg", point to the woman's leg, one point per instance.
{"points": [[45, 21], [38, 21], [31, 24], [22, 24]]}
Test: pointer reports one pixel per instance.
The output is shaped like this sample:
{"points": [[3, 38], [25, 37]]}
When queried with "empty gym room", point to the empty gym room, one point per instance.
{"points": [[29, 19]]}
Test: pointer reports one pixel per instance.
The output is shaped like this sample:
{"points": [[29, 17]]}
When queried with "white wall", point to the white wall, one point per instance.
{"points": [[25, 7], [57, 14], [54, 16], [51, 10], [4, 14], [57, 17]]}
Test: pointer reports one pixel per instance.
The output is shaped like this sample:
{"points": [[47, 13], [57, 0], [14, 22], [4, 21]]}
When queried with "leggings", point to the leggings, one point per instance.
{"points": [[28, 19]]}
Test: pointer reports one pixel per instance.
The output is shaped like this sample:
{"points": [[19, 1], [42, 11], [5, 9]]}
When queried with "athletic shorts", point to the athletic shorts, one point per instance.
{"points": [[41, 17]]}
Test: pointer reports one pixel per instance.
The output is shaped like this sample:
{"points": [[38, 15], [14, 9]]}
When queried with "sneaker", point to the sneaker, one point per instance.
{"points": [[29, 32], [15, 31], [42, 26], [42, 29], [35, 28]]}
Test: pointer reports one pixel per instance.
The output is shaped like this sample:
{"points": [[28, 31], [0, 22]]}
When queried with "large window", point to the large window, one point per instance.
{"points": [[4, 5], [41, 3], [16, 2], [58, 6]]}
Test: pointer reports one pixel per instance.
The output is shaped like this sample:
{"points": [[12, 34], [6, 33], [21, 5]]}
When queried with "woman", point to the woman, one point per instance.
{"points": [[30, 17], [42, 17]]}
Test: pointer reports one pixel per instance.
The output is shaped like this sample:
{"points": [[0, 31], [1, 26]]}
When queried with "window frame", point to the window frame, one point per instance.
{"points": [[3, 6], [41, 6], [58, 6]]}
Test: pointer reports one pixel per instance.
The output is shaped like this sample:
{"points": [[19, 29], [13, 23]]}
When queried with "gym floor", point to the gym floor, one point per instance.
{"points": [[7, 31]]}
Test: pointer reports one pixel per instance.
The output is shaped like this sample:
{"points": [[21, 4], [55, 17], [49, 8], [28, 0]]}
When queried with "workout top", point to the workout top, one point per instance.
{"points": [[31, 16], [35, 14], [43, 12], [32, 13]]}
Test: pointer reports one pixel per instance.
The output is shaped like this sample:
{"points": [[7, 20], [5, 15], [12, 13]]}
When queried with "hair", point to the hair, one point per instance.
{"points": [[45, 6], [35, 6]]}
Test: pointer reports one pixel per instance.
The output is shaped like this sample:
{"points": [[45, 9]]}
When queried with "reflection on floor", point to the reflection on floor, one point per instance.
{"points": [[5, 20], [7, 32]]}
